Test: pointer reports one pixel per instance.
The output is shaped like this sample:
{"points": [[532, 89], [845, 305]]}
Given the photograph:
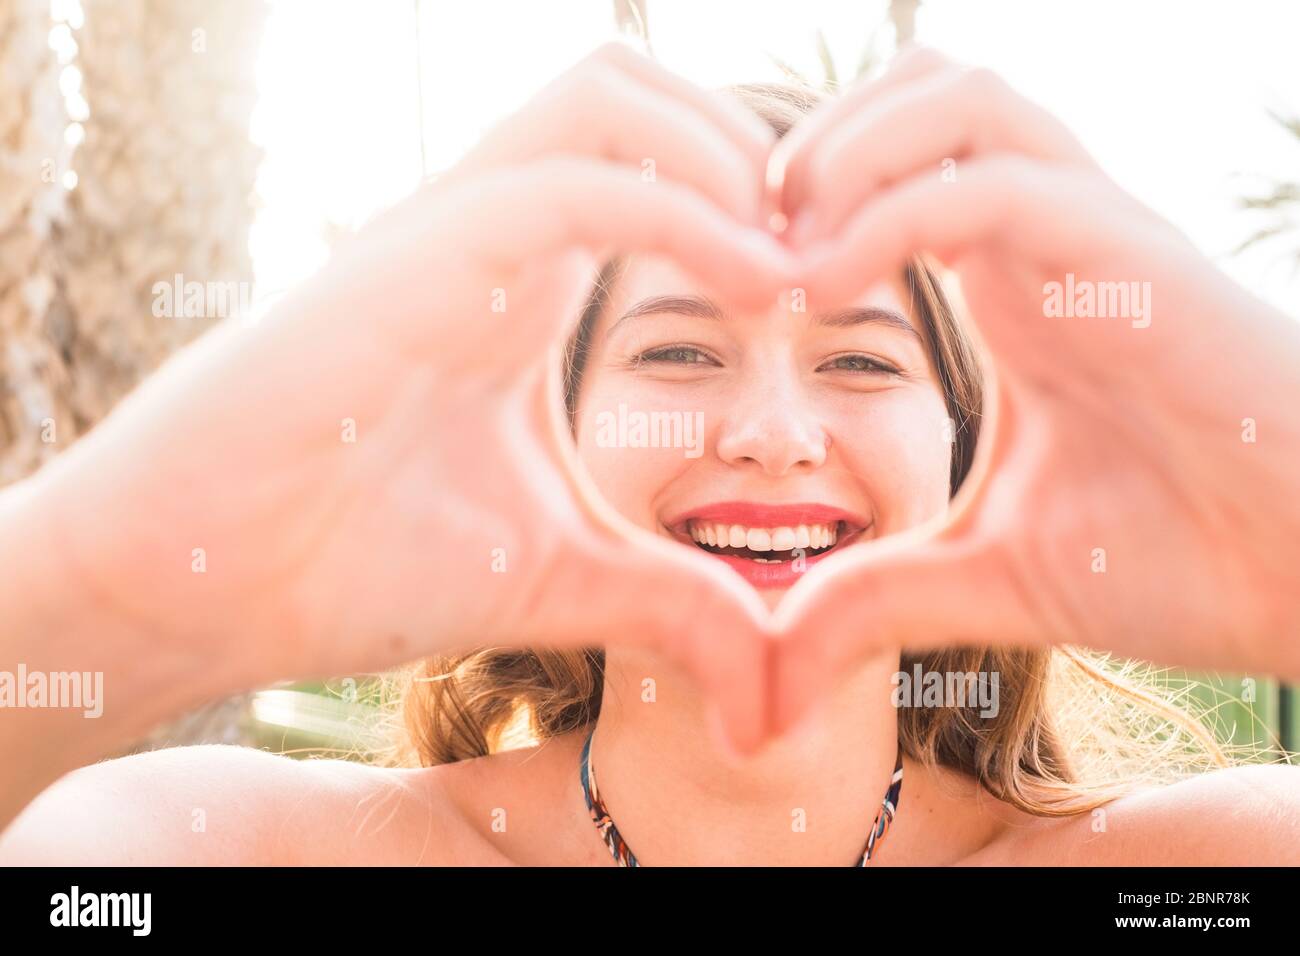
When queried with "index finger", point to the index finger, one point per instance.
{"points": [[787, 168]]}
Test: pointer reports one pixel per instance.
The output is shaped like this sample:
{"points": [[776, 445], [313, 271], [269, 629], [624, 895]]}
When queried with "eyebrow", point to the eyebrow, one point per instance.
{"points": [[702, 308]]}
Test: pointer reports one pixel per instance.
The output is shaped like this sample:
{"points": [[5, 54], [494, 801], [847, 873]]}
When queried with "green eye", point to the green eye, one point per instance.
{"points": [[860, 363], [675, 355]]}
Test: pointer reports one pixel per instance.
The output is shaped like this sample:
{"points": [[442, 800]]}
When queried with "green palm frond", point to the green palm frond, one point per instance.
{"points": [[1280, 195], [872, 57], [832, 81], [1281, 198], [1263, 235], [790, 72], [1290, 123]]}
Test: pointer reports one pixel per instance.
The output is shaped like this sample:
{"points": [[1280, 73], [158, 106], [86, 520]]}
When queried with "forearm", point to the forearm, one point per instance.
{"points": [[77, 680], [1265, 429]]}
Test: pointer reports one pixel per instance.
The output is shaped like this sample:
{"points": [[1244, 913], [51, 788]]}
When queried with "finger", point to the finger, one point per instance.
{"points": [[924, 126], [616, 107], [715, 623], [787, 174], [657, 593], [895, 593], [750, 134], [560, 203], [996, 198]]}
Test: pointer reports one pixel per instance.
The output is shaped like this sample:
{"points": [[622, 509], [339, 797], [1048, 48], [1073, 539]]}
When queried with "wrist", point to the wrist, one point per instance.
{"points": [[94, 681], [1269, 435]]}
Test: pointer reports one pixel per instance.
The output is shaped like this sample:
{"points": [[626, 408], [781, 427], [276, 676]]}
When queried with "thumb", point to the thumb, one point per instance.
{"points": [[709, 621], [644, 589], [907, 591]]}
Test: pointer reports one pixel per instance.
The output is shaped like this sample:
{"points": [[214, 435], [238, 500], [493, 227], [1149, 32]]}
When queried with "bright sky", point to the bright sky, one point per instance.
{"points": [[1171, 97]]}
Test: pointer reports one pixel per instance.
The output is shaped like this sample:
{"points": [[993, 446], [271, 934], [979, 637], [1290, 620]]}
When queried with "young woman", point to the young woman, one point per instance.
{"points": [[382, 471]]}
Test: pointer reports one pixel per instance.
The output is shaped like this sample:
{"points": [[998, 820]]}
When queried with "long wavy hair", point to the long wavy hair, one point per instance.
{"points": [[1074, 728]]}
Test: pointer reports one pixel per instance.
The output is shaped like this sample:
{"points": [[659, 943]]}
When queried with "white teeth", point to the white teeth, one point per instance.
{"points": [[822, 536], [784, 538]]}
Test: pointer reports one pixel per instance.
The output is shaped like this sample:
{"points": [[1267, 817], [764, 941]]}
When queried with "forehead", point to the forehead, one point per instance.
{"points": [[645, 277]]}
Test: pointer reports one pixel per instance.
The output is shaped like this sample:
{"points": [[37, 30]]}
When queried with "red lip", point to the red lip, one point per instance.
{"points": [[755, 515], [782, 575]]}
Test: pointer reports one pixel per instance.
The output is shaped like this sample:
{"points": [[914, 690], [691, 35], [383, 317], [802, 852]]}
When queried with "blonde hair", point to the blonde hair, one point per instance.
{"points": [[1074, 728]]}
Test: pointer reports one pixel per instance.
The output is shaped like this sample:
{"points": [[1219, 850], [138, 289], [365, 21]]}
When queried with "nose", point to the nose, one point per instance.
{"points": [[774, 428]]}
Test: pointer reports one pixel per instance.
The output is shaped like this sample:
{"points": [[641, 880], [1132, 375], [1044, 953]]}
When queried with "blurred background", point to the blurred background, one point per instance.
{"points": [[237, 141]]}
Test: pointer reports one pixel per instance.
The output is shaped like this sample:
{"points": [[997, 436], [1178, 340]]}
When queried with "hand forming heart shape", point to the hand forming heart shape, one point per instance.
{"points": [[1118, 500], [1112, 504]]}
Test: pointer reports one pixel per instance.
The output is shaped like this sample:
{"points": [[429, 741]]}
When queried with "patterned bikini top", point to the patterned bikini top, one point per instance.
{"points": [[623, 854]]}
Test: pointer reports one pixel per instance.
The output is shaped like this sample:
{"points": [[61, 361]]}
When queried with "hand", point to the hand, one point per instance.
{"points": [[1117, 499], [380, 469]]}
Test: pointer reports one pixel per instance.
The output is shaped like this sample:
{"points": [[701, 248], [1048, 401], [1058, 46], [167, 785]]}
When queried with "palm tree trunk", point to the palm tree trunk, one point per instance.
{"points": [[164, 187], [903, 15], [166, 181], [35, 383]]}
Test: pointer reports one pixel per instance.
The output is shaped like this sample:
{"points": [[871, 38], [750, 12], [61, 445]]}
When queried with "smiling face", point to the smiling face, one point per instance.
{"points": [[766, 439]]}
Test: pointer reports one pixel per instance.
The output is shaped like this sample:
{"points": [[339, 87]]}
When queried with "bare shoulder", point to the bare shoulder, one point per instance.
{"points": [[348, 813], [513, 807], [524, 806], [1238, 816], [199, 804], [228, 805]]}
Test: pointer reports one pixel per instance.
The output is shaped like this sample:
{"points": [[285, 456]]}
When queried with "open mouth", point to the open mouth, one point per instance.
{"points": [[769, 545], [774, 545]]}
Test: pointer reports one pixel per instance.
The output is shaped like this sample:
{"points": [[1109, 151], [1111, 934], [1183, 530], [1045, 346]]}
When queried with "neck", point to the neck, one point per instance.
{"points": [[807, 799]]}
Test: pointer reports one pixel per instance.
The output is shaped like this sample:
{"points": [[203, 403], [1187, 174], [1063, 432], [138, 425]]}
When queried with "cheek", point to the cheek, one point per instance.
{"points": [[630, 455], [897, 444]]}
